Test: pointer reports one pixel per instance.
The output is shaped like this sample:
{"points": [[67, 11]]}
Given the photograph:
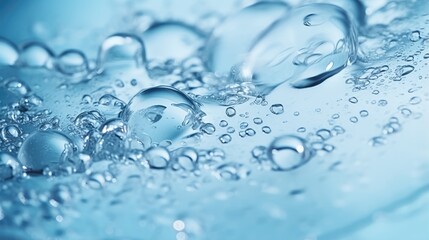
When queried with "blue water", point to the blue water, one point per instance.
{"points": [[300, 119]]}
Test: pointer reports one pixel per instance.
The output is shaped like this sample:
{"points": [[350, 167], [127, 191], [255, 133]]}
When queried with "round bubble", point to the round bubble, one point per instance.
{"points": [[310, 44], [121, 48], [9, 166], [172, 40], [72, 63], [289, 152], [231, 40], [35, 54], [161, 113], [354, 8], [45, 149], [8, 52]]}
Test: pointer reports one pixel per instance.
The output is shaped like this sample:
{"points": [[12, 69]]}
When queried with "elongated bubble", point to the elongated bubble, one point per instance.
{"points": [[35, 54], [232, 39], [306, 47]]}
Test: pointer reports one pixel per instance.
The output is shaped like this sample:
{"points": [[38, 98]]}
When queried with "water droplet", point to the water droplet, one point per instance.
{"points": [[244, 125], [382, 103], [250, 132], [95, 180], [186, 158], [353, 100], [324, 134], [162, 113], [277, 109], [35, 54], [414, 36], [9, 167], [230, 111], [354, 119], [10, 133], [45, 149], [304, 56], [231, 172], [227, 47], [9, 52], [72, 63], [257, 121], [364, 113], [391, 128], [354, 9], [88, 121], [230, 130], [301, 129], [158, 157], [208, 128], [336, 116], [415, 100], [404, 70], [289, 152], [223, 123], [172, 40], [116, 126], [225, 138], [266, 129], [121, 48], [406, 112], [377, 141]]}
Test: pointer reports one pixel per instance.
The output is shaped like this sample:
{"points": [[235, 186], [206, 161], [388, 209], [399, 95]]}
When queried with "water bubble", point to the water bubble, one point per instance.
{"points": [[364, 113], [116, 126], [223, 123], [72, 63], [225, 138], [158, 157], [186, 158], [35, 54], [162, 113], [257, 121], [45, 149], [244, 125], [289, 152], [277, 109], [301, 129], [88, 120], [250, 132], [9, 166], [95, 180], [230, 111], [406, 112], [392, 127], [227, 47], [375, 92], [172, 40], [231, 172], [303, 55], [10, 133], [121, 48], [230, 130], [382, 102], [414, 36], [377, 141], [324, 134], [354, 119], [335, 116], [8, 52], [404, 70], [415, 100], [208, 128], [17, 87], [353, 100]]}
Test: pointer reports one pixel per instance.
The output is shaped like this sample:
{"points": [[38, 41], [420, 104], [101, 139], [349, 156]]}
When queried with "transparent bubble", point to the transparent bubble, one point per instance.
{"points": [[122, 49], [231, 172], [186, 158], [158, 157], [289, 152], [45, 149], [354, 9], [162, 113], [72, 63], [230, 111], [9, 53], [227, 46], [35, 54], [301, 52], [88, 121], [172, 40], [208, 128], [9, 166], [10, 133], [116, 126], [277, 109], [404, 70], [225, 138]]}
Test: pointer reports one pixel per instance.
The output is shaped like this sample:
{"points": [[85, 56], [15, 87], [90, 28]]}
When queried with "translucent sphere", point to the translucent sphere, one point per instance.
{"points": [[44, 149], [121, 48], [310, 44], [289, 152], [9, 166], [72, 63], [161, 113], [35, 54], [172, 40], [8, 52], [354, 9], [231, 40]]}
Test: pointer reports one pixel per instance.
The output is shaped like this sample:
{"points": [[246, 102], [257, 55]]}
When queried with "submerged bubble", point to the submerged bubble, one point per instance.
{"points": [[45, 149], [35, 54], [231, 172], [289, 152], [227, 46], [72, 63], [9, 53], [225, 138], [208, 128], [186, 158], [304, 55], [9, 166], [121, 48], [162, 113], [172, 40], [158, 157], [230, 111]]}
